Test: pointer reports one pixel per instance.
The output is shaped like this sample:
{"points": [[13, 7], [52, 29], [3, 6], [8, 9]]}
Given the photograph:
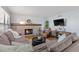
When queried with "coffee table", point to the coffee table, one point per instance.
{"points": [[30, 37]]}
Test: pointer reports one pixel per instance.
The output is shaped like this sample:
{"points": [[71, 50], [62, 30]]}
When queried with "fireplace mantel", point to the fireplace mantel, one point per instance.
{"points": [[20, 28], [17, 24]]}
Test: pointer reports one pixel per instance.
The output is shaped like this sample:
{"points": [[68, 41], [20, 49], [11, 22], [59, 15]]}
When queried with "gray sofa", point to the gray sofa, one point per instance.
{"points": [[64, 44], [8, 39]]}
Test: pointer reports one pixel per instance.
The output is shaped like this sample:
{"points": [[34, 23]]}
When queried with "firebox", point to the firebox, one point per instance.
{"points": [[28, 31]]}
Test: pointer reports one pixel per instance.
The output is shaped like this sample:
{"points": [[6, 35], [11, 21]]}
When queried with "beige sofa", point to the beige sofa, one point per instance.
{"points": [[7, 38], [55, 46], [8, 41], [64, 44]]}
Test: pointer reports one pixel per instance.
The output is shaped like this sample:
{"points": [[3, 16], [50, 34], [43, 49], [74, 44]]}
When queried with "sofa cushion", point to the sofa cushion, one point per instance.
{"points": [[4, 39], [9, 35], [73, 48], [60, 46], [40, 47]]}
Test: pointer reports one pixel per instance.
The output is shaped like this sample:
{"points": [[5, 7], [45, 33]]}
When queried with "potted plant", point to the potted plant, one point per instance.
{"points": [[46, 24]]}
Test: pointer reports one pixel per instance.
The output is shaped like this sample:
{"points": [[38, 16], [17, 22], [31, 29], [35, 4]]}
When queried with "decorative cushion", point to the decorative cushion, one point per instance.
{"points": [[4, 39], [15, 34], [62, 37]]}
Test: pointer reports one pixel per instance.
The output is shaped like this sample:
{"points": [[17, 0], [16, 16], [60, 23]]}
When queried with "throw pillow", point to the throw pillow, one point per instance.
{"points": [[61, 37]]}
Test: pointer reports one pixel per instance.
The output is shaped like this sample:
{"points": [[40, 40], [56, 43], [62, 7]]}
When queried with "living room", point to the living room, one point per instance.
{"points": [[31, 23]]}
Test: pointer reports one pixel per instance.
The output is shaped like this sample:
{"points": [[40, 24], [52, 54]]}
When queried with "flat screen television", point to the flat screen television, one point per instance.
{"points": [[59, 22]]}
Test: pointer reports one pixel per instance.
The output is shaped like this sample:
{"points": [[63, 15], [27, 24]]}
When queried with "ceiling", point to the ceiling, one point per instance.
{"points": [[40, 10]]}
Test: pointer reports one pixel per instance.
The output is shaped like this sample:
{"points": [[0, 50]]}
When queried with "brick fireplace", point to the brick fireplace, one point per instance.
{"points": [[25, 29]]}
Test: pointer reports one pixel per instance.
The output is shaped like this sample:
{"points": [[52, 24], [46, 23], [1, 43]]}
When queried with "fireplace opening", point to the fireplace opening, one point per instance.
{"points": [[28, 31]]}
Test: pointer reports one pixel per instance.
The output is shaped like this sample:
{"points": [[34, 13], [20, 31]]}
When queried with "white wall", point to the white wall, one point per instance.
{"points": [[72, 21]]}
